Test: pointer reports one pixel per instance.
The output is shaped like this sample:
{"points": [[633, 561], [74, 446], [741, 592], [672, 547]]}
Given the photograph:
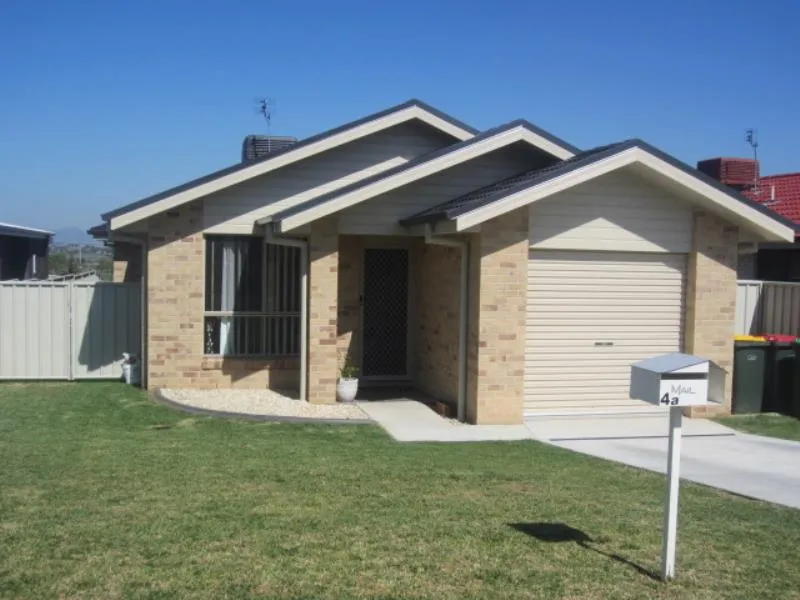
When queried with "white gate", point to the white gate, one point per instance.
{"points": [[67, 330], [767, 307]]}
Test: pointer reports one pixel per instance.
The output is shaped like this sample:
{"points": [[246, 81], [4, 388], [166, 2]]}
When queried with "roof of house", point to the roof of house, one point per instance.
{"points": [[493, 193], [98, 231], [786, 188], [420, 160], [19, 231], [304, 143], [505, 187]]}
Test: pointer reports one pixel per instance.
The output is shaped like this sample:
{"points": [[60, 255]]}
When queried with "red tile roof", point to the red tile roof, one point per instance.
{"points": [[787, 194]]}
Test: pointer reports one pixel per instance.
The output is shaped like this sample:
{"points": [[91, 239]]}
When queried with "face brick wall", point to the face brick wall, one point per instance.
{"points": [[323, 355], [349, 306], [711, 297], [437, 316], [175, 288], [498, 275], [127, 262]]}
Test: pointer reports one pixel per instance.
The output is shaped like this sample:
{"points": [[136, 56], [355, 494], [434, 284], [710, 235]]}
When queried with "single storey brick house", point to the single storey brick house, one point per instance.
{"points": [[504, 271]]}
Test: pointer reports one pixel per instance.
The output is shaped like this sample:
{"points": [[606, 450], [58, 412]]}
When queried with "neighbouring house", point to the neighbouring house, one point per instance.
{"points": [[765, 261], [776, 261], [505, 271], [23, 252]]}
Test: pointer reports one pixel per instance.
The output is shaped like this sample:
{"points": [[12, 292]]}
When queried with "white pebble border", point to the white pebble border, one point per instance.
{"points": [[262, 403]]}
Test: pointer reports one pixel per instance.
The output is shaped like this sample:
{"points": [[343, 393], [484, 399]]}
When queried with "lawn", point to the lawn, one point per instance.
{"points": [[106, 495], [779, 426]]}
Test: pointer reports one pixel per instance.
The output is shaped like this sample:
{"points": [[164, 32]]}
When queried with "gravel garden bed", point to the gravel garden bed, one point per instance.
{"points": [[265, 403]]}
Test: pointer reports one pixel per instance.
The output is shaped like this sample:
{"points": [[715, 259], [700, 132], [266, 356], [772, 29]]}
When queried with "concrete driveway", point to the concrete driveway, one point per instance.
{"points": [[714, 455]]}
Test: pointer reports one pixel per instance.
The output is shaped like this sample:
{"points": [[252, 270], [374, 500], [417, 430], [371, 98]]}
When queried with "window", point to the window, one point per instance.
{"points": [[252, 297]]}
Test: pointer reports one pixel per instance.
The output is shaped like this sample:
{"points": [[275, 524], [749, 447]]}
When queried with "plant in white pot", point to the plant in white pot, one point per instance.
{"points": [[347, 387]]}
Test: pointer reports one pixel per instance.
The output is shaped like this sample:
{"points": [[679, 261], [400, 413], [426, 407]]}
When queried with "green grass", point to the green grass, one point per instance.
{"points": [[106, 495], [779, 426]]}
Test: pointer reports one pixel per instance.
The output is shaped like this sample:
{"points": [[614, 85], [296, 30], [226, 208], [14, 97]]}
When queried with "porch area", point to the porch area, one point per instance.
{"points": [[440, 314], [397, 319]]}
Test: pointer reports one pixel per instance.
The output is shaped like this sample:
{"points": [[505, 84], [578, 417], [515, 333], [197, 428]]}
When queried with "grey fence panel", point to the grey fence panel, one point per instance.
{"points": [[34, 330], [767, 307], [780, 308], [748, 307], [105, 323], [67, 330]]}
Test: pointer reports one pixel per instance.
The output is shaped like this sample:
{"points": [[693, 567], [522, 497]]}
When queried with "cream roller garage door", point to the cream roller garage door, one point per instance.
{"points": [[590, 316]]}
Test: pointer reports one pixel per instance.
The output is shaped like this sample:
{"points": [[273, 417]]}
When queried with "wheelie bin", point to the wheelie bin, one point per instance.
{"points": [[749, 374], [781, 366]]}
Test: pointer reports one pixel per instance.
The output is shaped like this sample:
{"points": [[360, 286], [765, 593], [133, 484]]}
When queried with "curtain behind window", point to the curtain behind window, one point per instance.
{"points": [[234, 283], [258, 286]]}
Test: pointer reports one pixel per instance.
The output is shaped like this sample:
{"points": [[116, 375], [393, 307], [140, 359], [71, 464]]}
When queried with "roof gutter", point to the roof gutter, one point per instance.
{"points": [[463, 314]]}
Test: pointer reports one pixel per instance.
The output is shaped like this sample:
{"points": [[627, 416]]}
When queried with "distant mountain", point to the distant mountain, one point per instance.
{"points": [[73, 235]]}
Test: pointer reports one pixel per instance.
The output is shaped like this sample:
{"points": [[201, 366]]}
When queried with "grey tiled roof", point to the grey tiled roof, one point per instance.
{"points": [[506, 187], [319, 200], [305, 142], [497, 191]]}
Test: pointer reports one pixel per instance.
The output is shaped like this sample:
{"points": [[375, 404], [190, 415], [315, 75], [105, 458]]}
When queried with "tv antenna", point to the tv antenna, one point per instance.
{"points": [[265, 106], [751, 137]]}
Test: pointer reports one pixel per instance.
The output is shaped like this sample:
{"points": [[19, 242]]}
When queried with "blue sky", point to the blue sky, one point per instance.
{"points": [[103, 102]]}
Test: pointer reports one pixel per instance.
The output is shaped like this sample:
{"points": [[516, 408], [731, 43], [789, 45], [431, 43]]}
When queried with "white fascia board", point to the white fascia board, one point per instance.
{"points": [[264, 214], [546, 145], [766, 226], [420, 171], [771, 229], [440, 124], [548, 188], [25, 229], [289, 157]]}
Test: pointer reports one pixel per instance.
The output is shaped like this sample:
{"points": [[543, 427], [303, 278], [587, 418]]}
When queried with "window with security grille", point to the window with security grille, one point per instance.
{"points": [[252, 299]]}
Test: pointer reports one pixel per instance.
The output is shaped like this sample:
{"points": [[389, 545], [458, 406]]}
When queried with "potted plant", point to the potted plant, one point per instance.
{"points": [[347, 387]]}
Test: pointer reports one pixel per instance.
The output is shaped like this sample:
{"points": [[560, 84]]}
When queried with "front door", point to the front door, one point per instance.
{"points": [[385, 314]]}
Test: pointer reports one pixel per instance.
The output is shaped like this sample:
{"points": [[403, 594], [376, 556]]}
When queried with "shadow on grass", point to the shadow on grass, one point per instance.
{"points": [[560, 532]]}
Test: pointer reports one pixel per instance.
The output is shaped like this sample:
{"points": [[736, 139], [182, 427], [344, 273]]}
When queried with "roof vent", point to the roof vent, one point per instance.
{"points": [[735, 172], [255, 147]]}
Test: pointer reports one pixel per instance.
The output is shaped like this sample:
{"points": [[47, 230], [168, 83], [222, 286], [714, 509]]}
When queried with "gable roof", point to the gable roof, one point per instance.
{"points": [[413, 109], [480, 205], [519, 130], [501, 189]]}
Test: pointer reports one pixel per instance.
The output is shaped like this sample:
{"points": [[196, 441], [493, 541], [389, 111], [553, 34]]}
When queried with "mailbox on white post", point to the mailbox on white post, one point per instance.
{"points": [[676, 381]]}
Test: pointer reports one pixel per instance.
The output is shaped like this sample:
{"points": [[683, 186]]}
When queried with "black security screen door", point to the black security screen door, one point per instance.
{"points": [[385, 321]]}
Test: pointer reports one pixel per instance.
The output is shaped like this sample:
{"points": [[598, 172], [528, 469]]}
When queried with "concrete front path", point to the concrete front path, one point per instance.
{"points": [[714, 455], [411, 421]]}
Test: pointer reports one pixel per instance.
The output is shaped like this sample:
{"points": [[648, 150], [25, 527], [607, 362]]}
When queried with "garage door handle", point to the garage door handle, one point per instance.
{"points": [[604, 343]]}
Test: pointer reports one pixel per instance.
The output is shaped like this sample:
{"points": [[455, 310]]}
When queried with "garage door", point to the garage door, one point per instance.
{"points": [[590, 316]]}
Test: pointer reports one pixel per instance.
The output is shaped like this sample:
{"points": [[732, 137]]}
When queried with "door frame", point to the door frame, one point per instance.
{"points": [[387, 244]]}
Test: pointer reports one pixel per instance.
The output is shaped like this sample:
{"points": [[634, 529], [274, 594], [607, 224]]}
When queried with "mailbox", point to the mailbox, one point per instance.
{"points": [[678, 380]]}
